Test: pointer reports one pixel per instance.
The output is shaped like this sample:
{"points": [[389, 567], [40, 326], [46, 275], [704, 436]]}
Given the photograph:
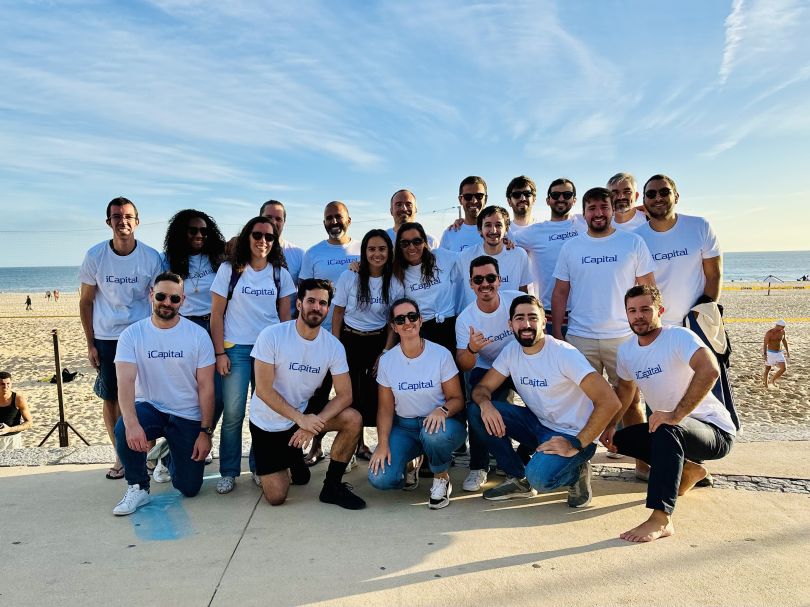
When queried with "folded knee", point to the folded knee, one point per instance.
{"points": [[384, 482]]}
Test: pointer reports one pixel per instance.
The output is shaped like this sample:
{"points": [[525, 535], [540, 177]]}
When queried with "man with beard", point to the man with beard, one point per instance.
{"points": [[624, 192], [521, 194], [544, 240], [472, 195], [568, 405], [292, 359], [675, 372], [689, 266], [165, 368], [403, 210]]}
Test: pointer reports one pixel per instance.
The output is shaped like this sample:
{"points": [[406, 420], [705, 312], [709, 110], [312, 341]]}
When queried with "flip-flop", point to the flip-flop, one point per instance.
{"points": [[313, 458], [115, 473]]}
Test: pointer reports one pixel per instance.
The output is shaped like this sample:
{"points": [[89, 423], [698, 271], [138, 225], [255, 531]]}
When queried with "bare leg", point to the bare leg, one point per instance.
{"points": [[765, 376], [349, 426], [635, 415], [111, 414], [657, 526], [275, 487], [692, 473], [781, 368]]}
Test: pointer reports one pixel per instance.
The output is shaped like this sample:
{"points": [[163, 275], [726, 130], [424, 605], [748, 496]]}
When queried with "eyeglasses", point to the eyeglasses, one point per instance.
{"points": [[663, 193], [479, 196], [565, 195], [518, 194], [417, 242], [194, 230], [399, 319], [175, 299], [490, 278], [119, 217], [268, 237]]}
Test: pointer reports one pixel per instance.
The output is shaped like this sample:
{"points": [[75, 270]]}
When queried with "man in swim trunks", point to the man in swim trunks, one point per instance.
{"points": [[772, 352]]}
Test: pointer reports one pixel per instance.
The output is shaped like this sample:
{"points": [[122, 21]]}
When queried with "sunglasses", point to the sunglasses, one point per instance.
{"points": [[268, 237], [194, 230], [479, 196], [663, 193], [175, 299], [565, 195], [417, 242], [490, 278], [518, 194], [399, 319]]}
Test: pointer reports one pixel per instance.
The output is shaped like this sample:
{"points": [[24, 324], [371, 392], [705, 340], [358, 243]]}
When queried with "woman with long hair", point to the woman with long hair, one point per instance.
{"points": [[360, 321], [246, 296], [419, 393]]}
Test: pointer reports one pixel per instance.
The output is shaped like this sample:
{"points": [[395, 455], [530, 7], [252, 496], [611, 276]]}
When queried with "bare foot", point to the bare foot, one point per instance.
{"points": [[642, 470], [657, 526], [692, 473]]}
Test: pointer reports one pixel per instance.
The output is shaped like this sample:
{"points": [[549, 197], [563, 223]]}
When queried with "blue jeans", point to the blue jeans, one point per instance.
{"points": [[408, 440], [206, 324], [545, 472], [180, 433], [234, 401], [479, 454]]}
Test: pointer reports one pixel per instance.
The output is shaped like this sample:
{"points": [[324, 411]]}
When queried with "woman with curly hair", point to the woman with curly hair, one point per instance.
{"points": [[246, 297]]}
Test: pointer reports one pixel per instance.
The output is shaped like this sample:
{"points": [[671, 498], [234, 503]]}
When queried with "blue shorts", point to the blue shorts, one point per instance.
{"points": [[106, 386]]}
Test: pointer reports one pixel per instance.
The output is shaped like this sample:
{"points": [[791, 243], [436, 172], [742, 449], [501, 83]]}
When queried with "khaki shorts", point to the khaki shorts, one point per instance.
{"points": [[601, 353]]}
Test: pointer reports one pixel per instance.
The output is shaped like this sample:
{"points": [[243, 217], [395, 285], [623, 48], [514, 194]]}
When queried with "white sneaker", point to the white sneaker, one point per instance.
{"points": [[474, 480], [161, 473], [226, 484], [209, 458], [351, 465], [612, 455], [256, 479], [134, 498], [440, 493]]}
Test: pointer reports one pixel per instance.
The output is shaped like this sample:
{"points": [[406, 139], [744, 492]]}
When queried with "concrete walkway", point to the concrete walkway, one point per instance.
{"points": [[60, 544]]}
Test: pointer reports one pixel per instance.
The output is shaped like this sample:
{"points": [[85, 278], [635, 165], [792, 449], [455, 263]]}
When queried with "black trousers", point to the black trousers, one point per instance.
{"points": [[361, 353], [665, 451]]}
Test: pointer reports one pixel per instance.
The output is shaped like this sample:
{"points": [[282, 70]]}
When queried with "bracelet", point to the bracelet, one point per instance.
{"points": [[469, 349], [220, 354]]}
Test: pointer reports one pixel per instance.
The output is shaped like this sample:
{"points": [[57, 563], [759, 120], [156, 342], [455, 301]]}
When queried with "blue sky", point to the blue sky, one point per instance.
{"points": [[222, 105]]}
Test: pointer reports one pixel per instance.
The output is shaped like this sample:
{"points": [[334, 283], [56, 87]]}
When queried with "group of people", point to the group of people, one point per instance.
{"points": [[426, 339]]}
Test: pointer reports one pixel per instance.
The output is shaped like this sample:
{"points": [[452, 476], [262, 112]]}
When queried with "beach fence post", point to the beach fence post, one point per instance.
{"points": [[62, 425]]}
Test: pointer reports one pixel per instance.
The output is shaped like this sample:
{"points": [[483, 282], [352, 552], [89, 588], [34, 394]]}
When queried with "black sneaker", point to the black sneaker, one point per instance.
{"points": [[341, 495]]}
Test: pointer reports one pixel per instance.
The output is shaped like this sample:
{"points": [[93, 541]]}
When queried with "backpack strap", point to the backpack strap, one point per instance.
{"points": [[235, 276]]}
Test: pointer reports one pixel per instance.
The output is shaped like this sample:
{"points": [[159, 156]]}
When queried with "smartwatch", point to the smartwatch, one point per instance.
{"points": [[445, 410], [575, 443]]}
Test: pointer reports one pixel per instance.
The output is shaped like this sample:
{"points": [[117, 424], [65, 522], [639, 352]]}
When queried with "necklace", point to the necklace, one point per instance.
{"points": [[421, 349], [195, 280]]}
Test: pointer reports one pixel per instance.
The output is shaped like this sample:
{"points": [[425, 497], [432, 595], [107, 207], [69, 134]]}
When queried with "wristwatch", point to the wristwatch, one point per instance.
{"points": [[575, 442], [209, 430], [445, 410]]}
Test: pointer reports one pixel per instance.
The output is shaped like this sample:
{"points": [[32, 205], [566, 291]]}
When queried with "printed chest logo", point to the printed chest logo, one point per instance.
{"points": [[600, 259], [164, 354], [563, 235], [500, 336], [649, 372], [535, 382], [341, 262], [200, 274], [121, 280], [302, 368], [375, 300], [405, 386], [671, 254], [257, 292]]}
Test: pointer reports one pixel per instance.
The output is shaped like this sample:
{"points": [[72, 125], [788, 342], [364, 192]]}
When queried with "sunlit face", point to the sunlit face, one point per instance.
{"points": [[260, 248], [123, 220], [486, 291], [624, 195], [473, 197], [403, 207], [336, 221], [643, 316], [408, 328], [376, 253], [521, 200], [314, 307], [275, 213], [196, 234], [528, 323], [412, 252], [493, 229], [165, 290], [5, 388], [660, 207], [598, 214], [561, 207]]}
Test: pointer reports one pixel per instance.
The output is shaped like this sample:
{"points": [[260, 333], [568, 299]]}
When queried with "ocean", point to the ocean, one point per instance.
{"points": [[750, 267]]}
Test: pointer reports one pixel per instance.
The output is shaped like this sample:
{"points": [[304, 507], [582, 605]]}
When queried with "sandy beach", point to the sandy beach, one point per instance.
{"points": [[780, 413]]}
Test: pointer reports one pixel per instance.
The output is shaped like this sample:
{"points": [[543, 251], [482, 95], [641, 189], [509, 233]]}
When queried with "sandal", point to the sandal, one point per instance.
{"points": [[313, 457], [115, 473]]}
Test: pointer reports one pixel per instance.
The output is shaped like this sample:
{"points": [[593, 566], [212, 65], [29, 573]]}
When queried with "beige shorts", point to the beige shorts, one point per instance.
{"points": [[601, 353], [774, 358]]}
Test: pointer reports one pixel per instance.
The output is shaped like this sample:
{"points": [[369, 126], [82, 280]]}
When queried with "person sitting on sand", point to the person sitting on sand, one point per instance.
{"points": [[675, 371], [772, 352], [14, 415]]}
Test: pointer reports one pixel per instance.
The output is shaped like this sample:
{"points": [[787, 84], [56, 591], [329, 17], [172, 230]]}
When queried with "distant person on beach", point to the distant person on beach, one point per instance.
{"points": [[403, 210], [56, 294], [624, 192], [292, 359], [48, 295], [165, 368], [775, 338], [675, 372], [28, 303], [15, 417], [115, 279]]}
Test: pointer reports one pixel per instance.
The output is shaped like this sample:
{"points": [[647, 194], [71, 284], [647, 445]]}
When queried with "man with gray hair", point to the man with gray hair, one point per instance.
{"points": [[624, 192]]}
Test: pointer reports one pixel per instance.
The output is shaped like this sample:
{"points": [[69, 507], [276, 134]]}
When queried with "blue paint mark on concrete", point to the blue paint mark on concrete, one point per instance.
{"points": [[164, 518]]}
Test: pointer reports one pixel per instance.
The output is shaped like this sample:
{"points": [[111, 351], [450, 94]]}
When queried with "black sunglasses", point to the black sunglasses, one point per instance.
{"points": [[479, 196], [565, 195], [268, 237], [663, 193], [194, 230], [518, 194], [417, 242], [490, 278], [175, 299], [399, 319]]}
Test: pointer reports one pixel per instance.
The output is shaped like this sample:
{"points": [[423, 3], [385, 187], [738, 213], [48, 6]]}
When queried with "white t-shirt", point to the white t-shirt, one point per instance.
{"points": [[437, 298], [513, 266], [167, 361], [375, 315], [494, 326], [197, 286], [543, 242], [433, 242], [548, 382], [600, 271], [515, 229], [638, 220], [300, 366], [416, 382], [458, 240], [663, 374], [294, 255], [328, 261], [122, 286], [678, 254], [253, 305]]}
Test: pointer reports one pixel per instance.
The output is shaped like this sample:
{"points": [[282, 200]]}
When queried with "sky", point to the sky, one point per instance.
{"points": [[223, 105]]}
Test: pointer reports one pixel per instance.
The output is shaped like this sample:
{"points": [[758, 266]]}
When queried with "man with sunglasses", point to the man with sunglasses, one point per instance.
{"points": [[687, 255], [115, 278], [482, 331], [165, 366], [472, 195], [403, 210], [521, 194]]}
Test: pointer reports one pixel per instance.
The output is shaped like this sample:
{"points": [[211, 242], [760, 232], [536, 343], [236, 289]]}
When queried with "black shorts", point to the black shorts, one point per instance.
{"points": [[274, 454]]}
